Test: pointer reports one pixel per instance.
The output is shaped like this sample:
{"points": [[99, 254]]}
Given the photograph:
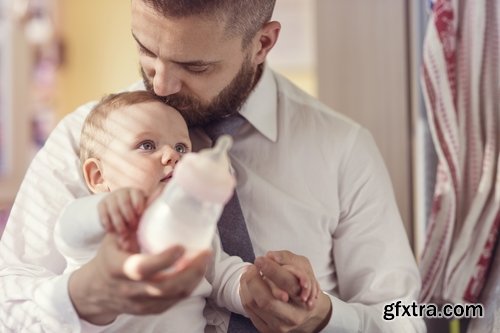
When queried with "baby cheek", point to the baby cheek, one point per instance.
{"points": [[126, 174]]}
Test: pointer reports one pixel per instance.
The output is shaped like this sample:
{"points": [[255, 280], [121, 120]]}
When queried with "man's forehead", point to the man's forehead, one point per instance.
{"points": [[185, 42]]}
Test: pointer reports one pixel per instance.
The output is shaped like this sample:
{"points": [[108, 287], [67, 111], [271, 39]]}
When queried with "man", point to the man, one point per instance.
{"points": [[310, 182]]}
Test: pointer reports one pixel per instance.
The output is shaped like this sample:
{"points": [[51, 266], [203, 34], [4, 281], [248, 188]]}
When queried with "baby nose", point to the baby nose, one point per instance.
{"points": [[170, 156]]}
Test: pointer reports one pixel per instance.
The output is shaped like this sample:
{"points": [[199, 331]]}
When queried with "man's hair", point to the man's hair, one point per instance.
{"points": [[243, 17], [94, 135]]}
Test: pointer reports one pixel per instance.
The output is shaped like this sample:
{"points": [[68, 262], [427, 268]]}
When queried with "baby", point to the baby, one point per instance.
{"points": [[129, 147]]}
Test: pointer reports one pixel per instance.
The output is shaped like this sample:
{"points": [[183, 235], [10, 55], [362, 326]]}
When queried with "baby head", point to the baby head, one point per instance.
{"points": [[132, 139]]}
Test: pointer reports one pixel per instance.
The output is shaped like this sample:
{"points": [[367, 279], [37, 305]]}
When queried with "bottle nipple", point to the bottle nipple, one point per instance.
{"points": [[219, 152]]}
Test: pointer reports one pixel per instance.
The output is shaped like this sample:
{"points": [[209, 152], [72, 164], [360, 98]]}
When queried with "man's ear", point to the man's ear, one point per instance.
{"points": [[92, 172], [266, 39]]}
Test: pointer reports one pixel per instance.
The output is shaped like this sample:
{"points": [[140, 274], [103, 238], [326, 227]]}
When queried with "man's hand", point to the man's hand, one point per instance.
{"points": [[301, 287], [262, 284], [116, 282]]}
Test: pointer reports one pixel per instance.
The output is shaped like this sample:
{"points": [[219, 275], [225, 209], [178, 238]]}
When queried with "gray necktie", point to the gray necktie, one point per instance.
{"points": [[232, 227]]}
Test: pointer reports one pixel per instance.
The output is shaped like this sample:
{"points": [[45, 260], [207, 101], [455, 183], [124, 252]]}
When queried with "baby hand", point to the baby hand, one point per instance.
{"points": [[120, 212], [309, 286], [299, 277]]}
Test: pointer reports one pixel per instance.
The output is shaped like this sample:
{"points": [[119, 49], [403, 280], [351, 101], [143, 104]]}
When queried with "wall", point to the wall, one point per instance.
{"points": [[18, 120], [294, 54], [363, 72], [100, 57], [100, 53]]}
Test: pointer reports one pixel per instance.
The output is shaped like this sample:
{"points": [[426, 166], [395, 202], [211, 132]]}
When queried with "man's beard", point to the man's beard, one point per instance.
{"points": [[227, 102]]}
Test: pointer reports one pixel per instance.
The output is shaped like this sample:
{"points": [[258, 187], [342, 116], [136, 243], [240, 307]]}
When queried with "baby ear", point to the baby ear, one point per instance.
{"points": [[92, 172]]}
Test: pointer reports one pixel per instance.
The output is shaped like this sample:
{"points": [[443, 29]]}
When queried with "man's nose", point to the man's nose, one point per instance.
{"points": [[170, 156], [165, 82]]}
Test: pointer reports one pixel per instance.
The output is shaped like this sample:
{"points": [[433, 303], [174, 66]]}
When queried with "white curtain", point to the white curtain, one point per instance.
{"points": [[460, 81]]}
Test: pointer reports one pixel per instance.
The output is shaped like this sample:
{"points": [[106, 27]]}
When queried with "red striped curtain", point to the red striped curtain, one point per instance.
{"points": [[460, 81]]}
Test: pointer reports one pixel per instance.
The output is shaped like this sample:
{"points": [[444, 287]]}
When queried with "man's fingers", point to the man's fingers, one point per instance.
{"points": [[256, 299], [258, 322], [277, 292], [304, 279], [188, 271], [285, 257], [249, 304], [143, 266], [282, 278], [301, 267], [275, 313], [258, 292]]}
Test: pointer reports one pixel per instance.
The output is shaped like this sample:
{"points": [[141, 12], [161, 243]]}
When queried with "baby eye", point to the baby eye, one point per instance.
{"points": [[181, 148], [147, 145]]}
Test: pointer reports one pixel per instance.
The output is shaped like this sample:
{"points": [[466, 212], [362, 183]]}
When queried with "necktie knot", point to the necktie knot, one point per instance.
{"points": [[228, 125]]}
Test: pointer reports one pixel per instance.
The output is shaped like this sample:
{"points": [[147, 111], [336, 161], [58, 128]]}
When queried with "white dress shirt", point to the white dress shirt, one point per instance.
{"points": [[310, 181]]}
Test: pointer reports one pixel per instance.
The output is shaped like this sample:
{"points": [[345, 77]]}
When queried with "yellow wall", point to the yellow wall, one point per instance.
{"points": [[100, 56]]}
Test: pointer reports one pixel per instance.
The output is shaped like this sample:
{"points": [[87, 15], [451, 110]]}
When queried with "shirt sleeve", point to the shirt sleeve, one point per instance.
{"points": [[224, 276], [374, 262], [34, 294], [79, 231]]}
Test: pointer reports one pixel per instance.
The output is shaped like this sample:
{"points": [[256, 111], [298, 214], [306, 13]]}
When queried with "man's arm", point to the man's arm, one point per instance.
{"points": [[33, 290], [374, 265]]}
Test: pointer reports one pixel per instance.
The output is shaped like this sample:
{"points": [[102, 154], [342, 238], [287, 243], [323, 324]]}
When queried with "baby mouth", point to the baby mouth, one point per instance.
{"points": [[166, 178]]}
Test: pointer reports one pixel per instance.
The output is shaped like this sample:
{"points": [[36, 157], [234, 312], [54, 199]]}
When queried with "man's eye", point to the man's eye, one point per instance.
{"points": [[147, 145], [197, 69], [146, 52], [181, 148]]}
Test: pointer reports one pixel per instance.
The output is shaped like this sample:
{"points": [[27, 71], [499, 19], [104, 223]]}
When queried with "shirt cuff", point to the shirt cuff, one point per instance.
{"points": [[238, 306], [344, 318], [91, 328]]}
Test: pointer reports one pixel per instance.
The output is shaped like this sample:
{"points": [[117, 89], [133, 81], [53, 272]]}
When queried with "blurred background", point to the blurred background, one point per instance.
{"points": [[363, 58]]}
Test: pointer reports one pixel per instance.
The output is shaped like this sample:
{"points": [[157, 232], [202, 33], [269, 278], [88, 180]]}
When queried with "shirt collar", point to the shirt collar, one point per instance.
{"points": [[260, 109]]}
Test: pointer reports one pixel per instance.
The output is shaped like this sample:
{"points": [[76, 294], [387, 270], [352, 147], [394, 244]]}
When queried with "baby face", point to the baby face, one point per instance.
{"points": [[147, 140]]}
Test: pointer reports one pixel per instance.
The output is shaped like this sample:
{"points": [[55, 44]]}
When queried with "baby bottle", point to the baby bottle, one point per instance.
{"points": [[187, 211]]}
